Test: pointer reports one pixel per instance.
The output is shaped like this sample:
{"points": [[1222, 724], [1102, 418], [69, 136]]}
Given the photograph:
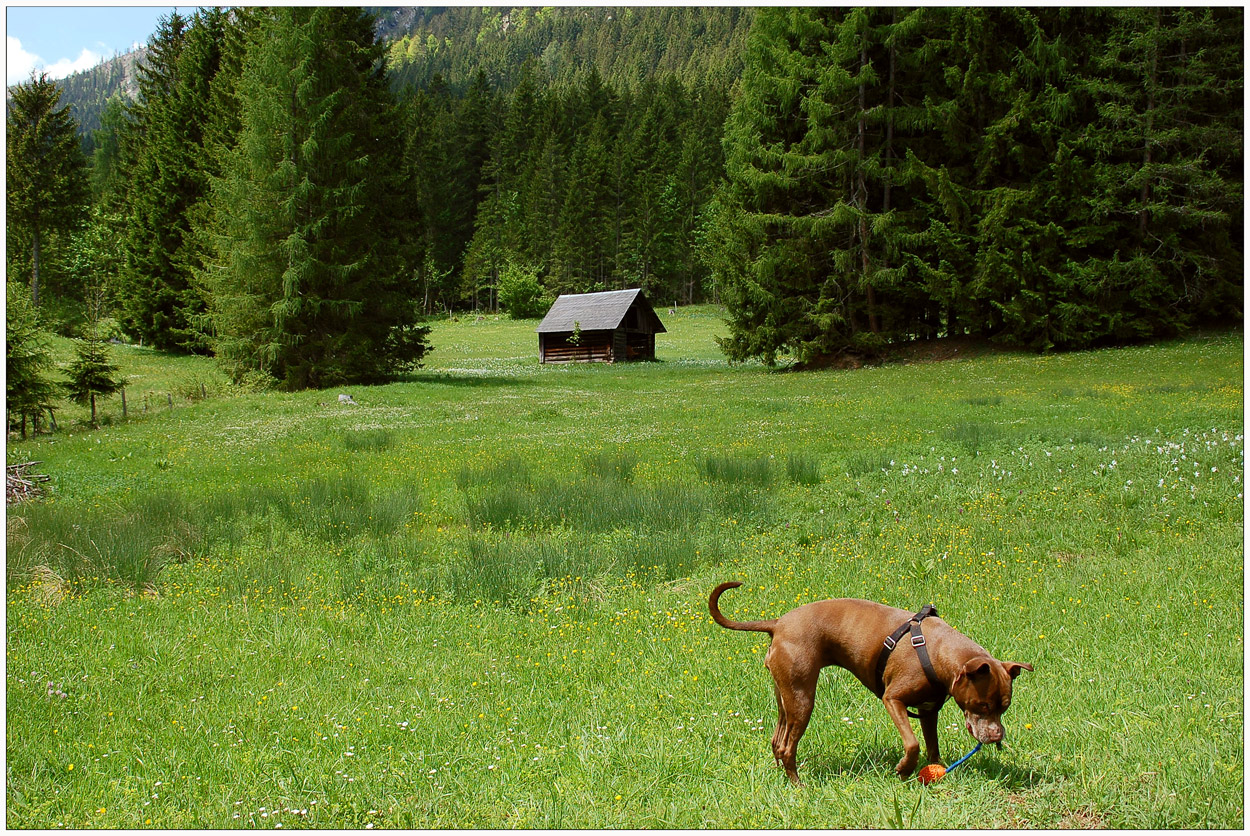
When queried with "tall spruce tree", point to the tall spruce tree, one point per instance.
{"points": [[1164, 157], [1051, 178], [46, 172], [106, 158], [499, 236], [157, 195], [306, 282], [700, 164], [653, 216], [425, 161], [780, 216], [176, 123]]}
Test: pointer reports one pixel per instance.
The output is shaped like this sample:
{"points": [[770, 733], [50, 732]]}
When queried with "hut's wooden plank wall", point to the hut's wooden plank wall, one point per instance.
{"points": [[595, 347]]}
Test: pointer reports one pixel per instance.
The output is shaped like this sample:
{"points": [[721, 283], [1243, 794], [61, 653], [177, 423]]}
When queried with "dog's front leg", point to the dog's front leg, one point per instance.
{"points": [[929, 727], [911, 746]]}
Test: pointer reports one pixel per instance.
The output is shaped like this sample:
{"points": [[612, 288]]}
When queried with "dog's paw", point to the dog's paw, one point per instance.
{"points": [[906, 767]]}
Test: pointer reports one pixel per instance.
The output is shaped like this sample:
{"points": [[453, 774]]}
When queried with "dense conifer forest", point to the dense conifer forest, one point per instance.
{"points": [[295, 190]]}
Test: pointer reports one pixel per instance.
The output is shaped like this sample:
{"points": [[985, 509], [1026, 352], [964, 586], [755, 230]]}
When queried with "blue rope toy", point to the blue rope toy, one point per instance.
{"points": [[935, 772]]}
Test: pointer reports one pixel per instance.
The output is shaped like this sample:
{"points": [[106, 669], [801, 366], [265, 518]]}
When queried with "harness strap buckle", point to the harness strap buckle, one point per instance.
{"points": [[890, 644], [917, 641]]}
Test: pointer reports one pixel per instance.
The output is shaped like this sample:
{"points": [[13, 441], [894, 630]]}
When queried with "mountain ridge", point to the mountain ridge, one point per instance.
{"points": [[446, 45]]}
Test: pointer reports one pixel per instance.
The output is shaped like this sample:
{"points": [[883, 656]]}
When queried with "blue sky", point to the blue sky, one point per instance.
{"points": [[61, 40]]}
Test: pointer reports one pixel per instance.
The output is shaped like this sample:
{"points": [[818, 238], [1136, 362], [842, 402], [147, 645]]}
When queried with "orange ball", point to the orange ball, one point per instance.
{"points": [[931, 774]]}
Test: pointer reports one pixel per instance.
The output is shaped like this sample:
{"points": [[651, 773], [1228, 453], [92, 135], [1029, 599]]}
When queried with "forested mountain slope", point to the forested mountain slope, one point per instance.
{"points": [[625, 45]]}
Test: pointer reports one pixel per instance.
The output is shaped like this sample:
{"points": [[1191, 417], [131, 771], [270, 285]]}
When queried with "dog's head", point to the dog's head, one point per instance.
{"points": [[983, 690]]}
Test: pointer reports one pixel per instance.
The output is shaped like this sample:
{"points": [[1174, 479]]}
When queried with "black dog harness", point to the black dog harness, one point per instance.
{"points": [[922, 652]]}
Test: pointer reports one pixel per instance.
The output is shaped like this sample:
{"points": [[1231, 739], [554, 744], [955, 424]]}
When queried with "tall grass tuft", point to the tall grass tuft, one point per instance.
{"points": [[491, 574], [506, 506], [974, 436], [509, 470], [589, 505], [663, 557], [124, 544], [803, 469], [865, 462], [373, 440], [503, 496], [332, 508], [513, 571], [737, 470], [614, 466], [611, 506]]}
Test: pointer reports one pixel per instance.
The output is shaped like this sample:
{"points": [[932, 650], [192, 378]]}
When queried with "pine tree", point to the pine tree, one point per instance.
{"points": [[1163, 156], [29, 391], [581, 256], [306, 284], [172, 155], [780, 216], [47, 177], [155, 212], [468, 141], [499, 235], [106, 158], [699, 168], [542, 191], [652, 218], [425, 203], [91, 374]]}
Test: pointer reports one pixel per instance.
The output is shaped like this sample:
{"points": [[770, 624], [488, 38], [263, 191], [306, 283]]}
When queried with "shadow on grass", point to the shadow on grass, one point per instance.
{"points": [[474, 381], [1011, 776], [881, 760]]}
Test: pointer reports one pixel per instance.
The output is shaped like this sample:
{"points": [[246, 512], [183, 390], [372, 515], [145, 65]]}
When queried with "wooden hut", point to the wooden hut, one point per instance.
{"points": [[608, 327]]}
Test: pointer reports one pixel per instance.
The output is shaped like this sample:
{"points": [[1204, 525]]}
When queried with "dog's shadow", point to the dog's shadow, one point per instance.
{"points": [[881, 760]]}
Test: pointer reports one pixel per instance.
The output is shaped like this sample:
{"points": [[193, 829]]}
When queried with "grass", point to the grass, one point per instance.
{"points": [[478, 598], [755, 470]]}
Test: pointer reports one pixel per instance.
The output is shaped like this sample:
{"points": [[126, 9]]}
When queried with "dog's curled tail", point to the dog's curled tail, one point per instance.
{"points": [[714, 608]]}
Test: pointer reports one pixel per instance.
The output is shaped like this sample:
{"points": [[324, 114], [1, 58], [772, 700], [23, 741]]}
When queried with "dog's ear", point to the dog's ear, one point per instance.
{"points": [[975, 668], [1014, 668]]}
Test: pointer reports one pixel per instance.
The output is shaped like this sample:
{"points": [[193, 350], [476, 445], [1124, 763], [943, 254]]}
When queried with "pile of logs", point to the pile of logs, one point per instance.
{"points": [[20, 484]]}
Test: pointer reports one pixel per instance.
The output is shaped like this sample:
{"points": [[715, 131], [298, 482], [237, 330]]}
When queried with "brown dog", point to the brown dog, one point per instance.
{"points": [[852, 634]]}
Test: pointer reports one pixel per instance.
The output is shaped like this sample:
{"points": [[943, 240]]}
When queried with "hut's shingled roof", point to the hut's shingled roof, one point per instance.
{"points": [[594, 311]]}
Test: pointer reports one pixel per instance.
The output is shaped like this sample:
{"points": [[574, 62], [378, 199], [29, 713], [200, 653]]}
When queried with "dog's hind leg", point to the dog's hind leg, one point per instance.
{"points": [[795, 684], [779, 732]]}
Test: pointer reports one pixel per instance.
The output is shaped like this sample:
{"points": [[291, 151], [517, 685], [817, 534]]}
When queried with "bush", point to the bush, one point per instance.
{"points": [[521, 295]]}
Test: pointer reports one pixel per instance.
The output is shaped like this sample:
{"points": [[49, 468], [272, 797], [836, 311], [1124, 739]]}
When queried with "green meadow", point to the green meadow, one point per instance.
{"points": [[478, 597]]}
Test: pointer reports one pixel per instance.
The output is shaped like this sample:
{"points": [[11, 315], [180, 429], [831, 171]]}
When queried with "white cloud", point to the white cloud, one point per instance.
{"points": [[20, 62], [85, 61]]}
